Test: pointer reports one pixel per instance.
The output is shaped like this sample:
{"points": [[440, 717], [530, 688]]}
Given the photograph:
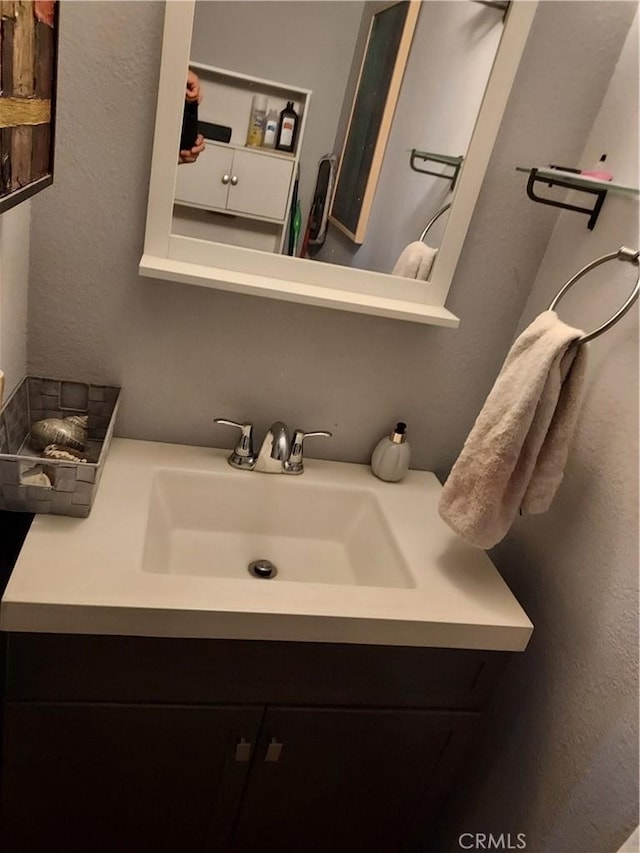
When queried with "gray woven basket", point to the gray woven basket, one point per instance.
{"points": [[73, 484]]}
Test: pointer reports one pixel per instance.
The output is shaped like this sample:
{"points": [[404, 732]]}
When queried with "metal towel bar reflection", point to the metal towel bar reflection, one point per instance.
{"points": [[433, 220], [623, 254], [445, 159]]}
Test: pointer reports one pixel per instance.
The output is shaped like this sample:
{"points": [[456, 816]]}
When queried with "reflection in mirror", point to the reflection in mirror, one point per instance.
{"points": [[277, 82], [242, 248]]}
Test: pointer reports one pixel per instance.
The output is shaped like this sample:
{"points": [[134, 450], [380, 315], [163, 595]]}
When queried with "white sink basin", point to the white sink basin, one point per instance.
{"points": [[214, 525], [173, 528]]}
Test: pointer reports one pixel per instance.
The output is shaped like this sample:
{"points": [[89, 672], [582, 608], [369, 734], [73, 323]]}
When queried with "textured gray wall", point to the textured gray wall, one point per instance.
{"points": [[565, 726], [186, 354], [14, 278]]}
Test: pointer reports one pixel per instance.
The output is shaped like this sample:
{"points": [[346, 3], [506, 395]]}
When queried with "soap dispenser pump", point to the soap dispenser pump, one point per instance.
{"points": [[390, 459]]}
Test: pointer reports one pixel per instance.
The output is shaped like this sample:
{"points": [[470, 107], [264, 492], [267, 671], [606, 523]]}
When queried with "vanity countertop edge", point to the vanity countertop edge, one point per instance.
{"points": [[84, 576]]}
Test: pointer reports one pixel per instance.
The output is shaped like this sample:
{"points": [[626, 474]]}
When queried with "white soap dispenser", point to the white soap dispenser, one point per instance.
{"points": [[390, 459]]}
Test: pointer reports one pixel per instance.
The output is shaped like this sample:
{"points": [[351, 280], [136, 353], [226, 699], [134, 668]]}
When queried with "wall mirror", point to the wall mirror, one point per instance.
{"points": [[236, 212]]}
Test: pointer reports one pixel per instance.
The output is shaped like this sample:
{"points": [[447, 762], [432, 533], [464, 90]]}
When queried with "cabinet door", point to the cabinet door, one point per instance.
{"points": [[346, 780], [125, 778], [203, 183], [262, 187]]}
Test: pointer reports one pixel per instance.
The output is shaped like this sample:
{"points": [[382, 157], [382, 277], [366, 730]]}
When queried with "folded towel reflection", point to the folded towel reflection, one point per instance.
{"points": [[415, 261], [514, 457]]}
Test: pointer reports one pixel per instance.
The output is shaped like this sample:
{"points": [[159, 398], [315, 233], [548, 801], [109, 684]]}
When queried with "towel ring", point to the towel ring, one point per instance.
{"points": [[623, 254], [434, 219]]}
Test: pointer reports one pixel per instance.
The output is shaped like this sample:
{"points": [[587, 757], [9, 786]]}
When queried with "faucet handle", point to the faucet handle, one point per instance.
{"points": [[243, 456], [295, 463]]}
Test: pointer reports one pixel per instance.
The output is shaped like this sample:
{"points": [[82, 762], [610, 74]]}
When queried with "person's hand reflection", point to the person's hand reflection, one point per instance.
{"points": [[193, 95], [193, 92], [192, 155]]}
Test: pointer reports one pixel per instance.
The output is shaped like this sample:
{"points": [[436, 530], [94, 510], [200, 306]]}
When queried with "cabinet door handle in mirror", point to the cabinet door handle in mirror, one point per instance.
{"points": [[226, 179], [243, 751], [273, 751], [234, 181]]}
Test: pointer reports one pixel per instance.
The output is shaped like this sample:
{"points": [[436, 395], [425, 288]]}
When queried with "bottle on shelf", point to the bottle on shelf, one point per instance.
{"points": [[599, 172], [255, 133], [270, 129], [288, 128]]}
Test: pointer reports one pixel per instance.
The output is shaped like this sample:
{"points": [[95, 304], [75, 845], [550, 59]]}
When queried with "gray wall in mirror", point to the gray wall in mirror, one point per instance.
{"points": [[310, 51], [318, 46], [451, 57], [186, 354]]}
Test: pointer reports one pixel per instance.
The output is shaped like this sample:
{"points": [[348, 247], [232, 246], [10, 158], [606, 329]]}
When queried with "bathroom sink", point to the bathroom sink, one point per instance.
{"points": [[166, 550], [216, 524]]}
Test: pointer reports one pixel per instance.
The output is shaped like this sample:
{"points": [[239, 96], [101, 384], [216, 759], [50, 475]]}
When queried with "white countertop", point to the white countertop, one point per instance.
{"points": [[86, 576]]}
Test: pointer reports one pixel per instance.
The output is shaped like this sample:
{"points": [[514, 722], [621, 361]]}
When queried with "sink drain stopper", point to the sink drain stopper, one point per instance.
{"points": [[262, 569]]}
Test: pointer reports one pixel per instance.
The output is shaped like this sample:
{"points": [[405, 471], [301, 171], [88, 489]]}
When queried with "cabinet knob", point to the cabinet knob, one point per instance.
{"points": [[273, 751], [234, 181], [243, 751], [225, 179]]}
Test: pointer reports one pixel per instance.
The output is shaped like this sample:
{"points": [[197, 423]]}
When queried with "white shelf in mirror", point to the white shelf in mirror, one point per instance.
{"points": [[253, 284]]}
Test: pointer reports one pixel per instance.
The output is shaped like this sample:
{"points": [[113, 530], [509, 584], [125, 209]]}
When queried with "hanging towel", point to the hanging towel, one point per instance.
{"points": [[513, 459], [415, 261]]}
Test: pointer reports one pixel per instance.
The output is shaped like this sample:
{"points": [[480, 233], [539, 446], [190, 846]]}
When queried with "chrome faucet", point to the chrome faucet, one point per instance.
{"points": [[277, 455], [274, 450]]}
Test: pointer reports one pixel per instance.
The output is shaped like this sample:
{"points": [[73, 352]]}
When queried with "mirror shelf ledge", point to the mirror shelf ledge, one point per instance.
{"points": [[251, 284], [300, 270]]}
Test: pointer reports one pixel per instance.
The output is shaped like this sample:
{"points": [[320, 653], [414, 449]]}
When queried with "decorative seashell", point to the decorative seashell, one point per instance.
{"points": [[35, 477], [79, 420], [58, 451], [57, 431]]}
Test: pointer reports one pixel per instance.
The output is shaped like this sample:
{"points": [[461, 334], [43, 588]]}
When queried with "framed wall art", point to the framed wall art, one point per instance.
{"points": [[28, 60]]}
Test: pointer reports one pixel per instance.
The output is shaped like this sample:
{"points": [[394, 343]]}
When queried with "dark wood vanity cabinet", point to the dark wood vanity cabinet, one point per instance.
{"points": [[347, 780], [101, 777], [133, 744]]}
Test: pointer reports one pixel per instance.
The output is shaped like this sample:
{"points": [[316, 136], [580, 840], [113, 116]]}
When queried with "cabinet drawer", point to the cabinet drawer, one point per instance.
{"points": [[60, 667]]}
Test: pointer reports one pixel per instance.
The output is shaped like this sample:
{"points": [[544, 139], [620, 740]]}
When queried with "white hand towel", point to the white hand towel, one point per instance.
{"points": [[515, 454], [415, 261]]}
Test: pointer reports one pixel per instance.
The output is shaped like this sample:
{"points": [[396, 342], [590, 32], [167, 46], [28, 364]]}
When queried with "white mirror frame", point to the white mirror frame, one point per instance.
{"points": [[171, 257]]}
